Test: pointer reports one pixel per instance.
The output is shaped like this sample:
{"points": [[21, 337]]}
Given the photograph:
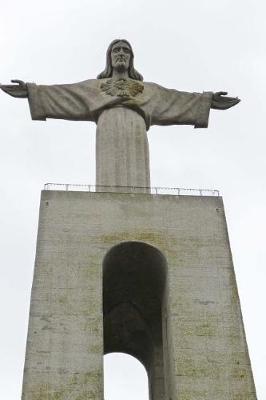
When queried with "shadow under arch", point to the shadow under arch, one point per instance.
{"points": [[134, 281]]}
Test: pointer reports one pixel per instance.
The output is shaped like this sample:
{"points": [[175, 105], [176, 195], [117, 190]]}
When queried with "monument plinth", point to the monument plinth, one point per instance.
{"points": [[145, 274], [148, 275]]}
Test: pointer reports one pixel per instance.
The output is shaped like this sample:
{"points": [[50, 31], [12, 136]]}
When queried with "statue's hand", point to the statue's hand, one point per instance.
{"points": [[221, 102], [19, 90]]}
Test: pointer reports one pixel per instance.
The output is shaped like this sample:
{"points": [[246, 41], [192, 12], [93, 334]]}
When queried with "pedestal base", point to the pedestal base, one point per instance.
{"points": [[198, 349]]}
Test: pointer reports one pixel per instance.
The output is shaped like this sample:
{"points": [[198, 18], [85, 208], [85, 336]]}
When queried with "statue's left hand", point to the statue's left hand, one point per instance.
{"points": [[20, 90], [222, 102]]}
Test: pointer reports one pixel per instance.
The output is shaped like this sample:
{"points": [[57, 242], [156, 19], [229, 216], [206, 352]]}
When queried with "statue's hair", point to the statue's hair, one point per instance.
{"points": [[132, 72]]}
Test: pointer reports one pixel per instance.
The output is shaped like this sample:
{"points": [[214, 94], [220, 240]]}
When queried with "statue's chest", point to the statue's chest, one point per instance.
{"points": [[126, 88]]}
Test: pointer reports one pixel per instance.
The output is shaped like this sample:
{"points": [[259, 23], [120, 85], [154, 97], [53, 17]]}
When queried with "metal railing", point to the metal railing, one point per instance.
{"points": [[131, 189]]}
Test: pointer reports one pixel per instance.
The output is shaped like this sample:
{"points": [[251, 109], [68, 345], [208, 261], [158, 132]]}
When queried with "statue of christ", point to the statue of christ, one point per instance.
{"points": [[123, 107]]}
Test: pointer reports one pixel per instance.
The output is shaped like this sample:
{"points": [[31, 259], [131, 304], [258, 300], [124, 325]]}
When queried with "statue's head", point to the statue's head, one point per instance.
{"points": [[120, 56]]}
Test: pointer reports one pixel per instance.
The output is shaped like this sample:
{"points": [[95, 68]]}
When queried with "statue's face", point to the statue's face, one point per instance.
{"points": [[120, 56]]}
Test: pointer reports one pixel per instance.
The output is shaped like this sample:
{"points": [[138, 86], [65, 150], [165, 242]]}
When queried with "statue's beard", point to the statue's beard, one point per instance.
{"points": [[120, 65]]}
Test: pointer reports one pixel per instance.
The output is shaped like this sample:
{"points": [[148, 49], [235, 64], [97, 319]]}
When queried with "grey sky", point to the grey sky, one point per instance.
{"points": [[191, 45]]}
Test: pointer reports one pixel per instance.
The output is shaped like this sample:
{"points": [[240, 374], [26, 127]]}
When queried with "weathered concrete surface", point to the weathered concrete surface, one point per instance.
{"points": [[202, 352], [122, 149]]}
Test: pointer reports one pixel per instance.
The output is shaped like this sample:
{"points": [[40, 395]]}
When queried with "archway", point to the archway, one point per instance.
{"points": [[134, 276], [124, 378]]}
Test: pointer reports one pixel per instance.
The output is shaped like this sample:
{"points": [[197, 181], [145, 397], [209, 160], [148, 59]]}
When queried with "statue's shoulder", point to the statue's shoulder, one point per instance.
{"points": [[89, 83], [89, 86], [162, 90], [154, 87]]}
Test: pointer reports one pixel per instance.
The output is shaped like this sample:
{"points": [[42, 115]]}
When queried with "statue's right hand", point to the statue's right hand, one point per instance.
{"points": [[20, 90]]}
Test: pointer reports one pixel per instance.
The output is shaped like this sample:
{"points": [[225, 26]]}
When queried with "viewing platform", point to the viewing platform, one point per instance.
{"points": [[131, 189]]}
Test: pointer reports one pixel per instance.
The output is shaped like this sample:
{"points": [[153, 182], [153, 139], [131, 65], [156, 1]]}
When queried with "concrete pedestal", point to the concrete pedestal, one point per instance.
{"points": [[151, 275]]}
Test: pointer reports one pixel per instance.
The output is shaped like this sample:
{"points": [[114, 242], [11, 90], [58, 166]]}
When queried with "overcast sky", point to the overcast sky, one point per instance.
{"points": [[191, 45]]}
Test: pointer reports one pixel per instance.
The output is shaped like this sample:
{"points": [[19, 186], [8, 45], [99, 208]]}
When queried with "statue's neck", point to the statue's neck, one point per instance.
{"points": [[120, 74]]}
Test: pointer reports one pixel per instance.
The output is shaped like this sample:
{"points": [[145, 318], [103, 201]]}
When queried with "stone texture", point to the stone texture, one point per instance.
{"points": [[201, 352], [122, 149], [123, 117], [124, 108]]}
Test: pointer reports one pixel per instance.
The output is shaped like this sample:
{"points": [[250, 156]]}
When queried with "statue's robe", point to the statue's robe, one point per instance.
{"points": [[123, 111]]}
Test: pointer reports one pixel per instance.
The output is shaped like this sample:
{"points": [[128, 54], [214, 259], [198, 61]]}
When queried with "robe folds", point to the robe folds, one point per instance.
{"points": [[123, 110]]}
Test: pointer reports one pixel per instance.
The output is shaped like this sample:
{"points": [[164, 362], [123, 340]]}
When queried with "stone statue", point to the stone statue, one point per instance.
{"points": [[123, 107]]}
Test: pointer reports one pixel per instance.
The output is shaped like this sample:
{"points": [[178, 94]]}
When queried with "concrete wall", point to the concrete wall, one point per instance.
{"points": [[204, 353]]}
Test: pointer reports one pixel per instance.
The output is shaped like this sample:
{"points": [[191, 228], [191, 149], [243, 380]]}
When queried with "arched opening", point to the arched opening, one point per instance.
{"points": [[124, 378], [134, 276]]}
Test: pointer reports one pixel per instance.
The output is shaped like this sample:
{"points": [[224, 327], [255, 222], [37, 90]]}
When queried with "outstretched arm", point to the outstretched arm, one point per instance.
{"points": [[19, 91], [221, 102], [64, 101], [173, 107]]}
